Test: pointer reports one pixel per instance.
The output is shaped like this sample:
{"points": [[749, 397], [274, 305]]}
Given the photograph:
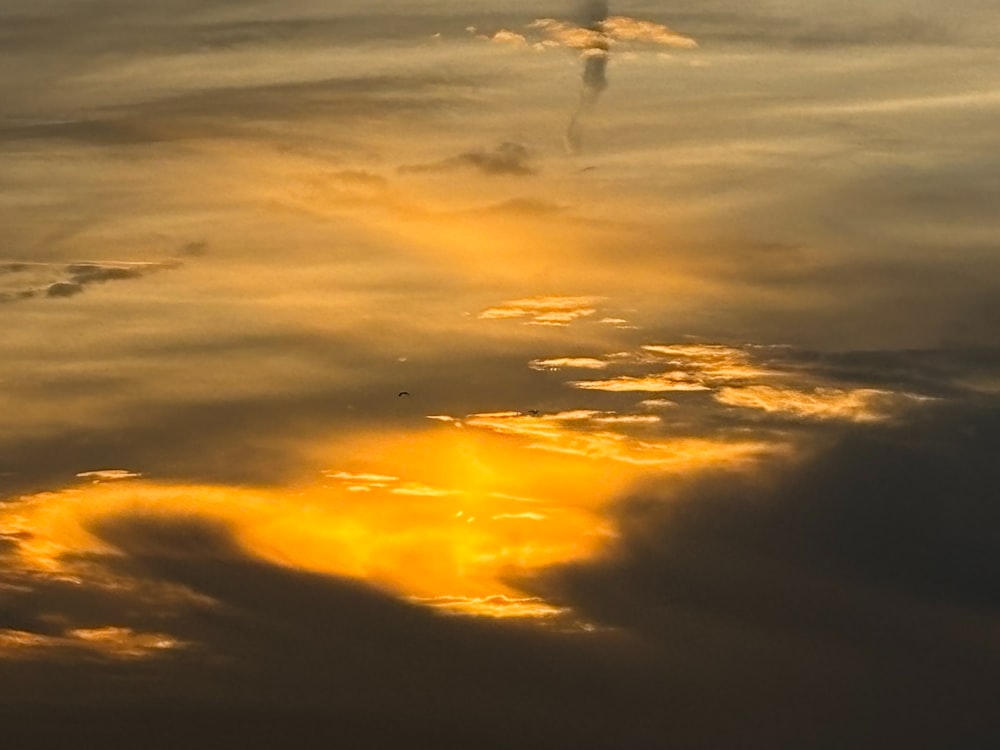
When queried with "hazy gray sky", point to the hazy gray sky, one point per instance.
{"points": [[697, 308]]}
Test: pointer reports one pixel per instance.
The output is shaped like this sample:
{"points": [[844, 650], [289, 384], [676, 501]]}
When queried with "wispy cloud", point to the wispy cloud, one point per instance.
{"points": [[498, 606], [661, 383], [632, 439], [511, 159], [21, 281], [854, 405], [625, 29], [748, 379], [109, 642], [394, 485], [557, 363], [594, 29], [544, 311], [108, 475]]}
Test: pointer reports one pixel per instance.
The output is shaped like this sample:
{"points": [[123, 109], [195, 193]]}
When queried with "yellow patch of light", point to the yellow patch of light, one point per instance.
{"points": [[498, 606], [456, 522], [445, 513]]}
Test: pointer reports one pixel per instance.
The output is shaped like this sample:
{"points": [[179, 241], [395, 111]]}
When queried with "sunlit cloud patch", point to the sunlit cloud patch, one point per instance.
{"points": [[746, 378], [676, 380], [109, 642], [549, 33], [108, 475], [857, 405], [632, 439], [557, 363], [499, 606], [544, 311]]}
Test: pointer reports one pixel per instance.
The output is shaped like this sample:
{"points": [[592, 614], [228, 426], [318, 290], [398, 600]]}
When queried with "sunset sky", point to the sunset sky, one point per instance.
{"points": [[471, 374]]}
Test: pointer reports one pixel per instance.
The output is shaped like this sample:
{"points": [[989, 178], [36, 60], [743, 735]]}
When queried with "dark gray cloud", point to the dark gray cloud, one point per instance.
{"points": [[310, 653], [909, 509], [24, 281], [592, 14], [506, 159], [881, 553]]}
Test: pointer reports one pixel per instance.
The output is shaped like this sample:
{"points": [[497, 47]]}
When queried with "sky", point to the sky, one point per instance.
{"points": [[449, 374]]}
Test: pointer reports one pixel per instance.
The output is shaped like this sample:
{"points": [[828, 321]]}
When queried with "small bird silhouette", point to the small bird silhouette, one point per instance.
{"points": [[403, 393], [534, 412]]}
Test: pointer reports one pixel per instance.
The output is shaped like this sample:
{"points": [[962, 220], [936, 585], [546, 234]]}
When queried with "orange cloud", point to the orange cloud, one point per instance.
{"points": [[544, 311], [550, 32]]}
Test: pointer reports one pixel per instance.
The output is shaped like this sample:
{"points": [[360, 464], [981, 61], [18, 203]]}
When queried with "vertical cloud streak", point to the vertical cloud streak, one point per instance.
{"points": [[592, 15]]}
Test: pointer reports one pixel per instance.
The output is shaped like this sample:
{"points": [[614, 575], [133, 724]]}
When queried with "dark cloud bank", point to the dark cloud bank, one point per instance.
{"points": [[851, 600]]}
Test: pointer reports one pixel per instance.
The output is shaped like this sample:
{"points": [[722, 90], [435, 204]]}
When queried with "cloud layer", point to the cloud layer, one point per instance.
{"points": [[700, 446]]}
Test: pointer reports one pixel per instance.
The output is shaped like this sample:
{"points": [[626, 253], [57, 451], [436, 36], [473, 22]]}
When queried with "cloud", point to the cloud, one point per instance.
{"points": [[63, 289], [666, 382], [858, 405], [766, 379], [231, 110], [499, 606], [504, 36], [544, 311], [558, 363], [508, 159], [594, 31], [24, 281], [594, 44], [276, 654], [593, 34], [904, 506], [625, 29], [631, 439], [394, 485], [589, 36], [729, 405], [850, 594], [108, 475], [108, 642], [870, 568]]}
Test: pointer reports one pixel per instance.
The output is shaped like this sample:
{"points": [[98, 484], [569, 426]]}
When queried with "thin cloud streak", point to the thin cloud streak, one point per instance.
{"points": [[511, 159], [21, 281], [554, 311]]}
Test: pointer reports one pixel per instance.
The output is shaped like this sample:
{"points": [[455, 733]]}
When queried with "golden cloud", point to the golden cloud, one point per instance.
{"points": [[853, 405], [544, 311], [547, 33], [557, 363]]}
